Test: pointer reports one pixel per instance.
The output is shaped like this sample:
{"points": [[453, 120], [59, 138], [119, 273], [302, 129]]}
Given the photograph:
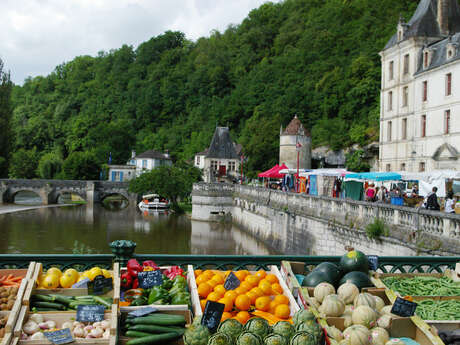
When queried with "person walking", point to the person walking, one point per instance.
{"points": [[432, 201], [449, 205]]}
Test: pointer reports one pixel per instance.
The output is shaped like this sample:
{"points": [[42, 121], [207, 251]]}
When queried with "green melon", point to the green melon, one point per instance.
{"points": [[354, 261], [331, 270], [316, 277], [360, 279]]}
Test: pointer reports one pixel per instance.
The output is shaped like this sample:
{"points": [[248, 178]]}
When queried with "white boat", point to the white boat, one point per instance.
{"points": [[153, 201]]}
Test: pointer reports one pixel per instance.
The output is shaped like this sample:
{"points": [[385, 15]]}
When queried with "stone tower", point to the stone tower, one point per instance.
{"points": [[295, 133]]}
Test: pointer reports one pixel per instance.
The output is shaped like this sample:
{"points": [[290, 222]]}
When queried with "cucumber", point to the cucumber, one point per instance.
{"points": [[156, 329], [160, 319], [136, 334], [62, 299], [153, 339]]}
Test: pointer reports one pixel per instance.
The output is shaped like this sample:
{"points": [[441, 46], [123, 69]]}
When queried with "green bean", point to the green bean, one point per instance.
{"points": [[438, 310], [423, 286]]}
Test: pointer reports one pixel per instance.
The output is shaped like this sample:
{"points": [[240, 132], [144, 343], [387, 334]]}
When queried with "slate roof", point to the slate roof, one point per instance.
{"points": [[222, 145], [424, 22], [152, 154], [439, 53], [295, 127], [203, 153]]}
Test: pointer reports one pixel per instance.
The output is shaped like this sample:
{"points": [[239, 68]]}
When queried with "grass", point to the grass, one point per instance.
{"points": [[376, 229]]}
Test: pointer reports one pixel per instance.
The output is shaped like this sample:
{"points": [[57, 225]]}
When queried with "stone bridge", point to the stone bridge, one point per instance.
{"points": [[50, 190]]}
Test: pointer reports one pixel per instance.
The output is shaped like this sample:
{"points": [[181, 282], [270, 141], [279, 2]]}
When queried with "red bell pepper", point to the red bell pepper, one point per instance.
{"points": [[133, 267], [174, 271], [126, 280], [150, 263], [135, 283]]}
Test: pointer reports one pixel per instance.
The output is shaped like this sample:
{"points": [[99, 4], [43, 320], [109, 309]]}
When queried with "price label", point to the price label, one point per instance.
{"points": [[142, 311], [62, 336], [212, 314], [90, 313], [82, 284], [403, 307], [100, 285], [373, 261], [232, 282], [150, 279]]}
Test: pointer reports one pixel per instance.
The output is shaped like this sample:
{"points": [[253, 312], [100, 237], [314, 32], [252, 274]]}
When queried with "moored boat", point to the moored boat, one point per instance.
{"points": [[153, 201]]}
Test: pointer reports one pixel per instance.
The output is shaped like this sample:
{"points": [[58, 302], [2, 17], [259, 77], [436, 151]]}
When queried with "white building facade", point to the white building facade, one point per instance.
{"points": [[295, 142], [420, 93]]}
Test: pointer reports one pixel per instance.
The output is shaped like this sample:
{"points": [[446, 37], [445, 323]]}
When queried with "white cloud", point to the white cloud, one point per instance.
{"points": [[37, 35]]}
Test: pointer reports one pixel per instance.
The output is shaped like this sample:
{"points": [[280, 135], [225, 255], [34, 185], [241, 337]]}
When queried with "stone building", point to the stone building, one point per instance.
{"points": [[420, 92], [293, 136]]}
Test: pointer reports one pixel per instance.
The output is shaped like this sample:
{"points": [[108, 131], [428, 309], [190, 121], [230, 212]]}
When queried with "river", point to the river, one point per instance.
{"points": [[81, 230]]}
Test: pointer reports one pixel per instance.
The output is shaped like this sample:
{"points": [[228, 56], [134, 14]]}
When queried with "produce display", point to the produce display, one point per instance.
{"points": [[3, 321], [54, 278], [438, 310], [37, 324], [53, 302], [423, 286], [157, 328], [10, 280], [257, 331], [7, 297], [258, 294]]}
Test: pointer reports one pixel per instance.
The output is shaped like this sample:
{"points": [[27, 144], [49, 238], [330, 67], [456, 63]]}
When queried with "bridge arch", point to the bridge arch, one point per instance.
{"points": [[62, 192], [11, 198]]}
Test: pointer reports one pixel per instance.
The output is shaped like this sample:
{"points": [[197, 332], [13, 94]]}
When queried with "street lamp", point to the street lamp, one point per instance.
{"points": [[298, 147]]}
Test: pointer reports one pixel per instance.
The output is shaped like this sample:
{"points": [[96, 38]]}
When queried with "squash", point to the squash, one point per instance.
{"points": [[395, 341], [354, 261], [386, 309], [322, 290], [334, 333], [357, 335], [364, 299], [347, 321], [364, 315], [349, 309], [332, 306], [379, 303], [379, 336], [384, 321], [348, 292]]}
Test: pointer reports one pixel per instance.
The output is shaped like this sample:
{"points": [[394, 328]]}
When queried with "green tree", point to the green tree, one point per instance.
{"points": [[354, 161], [81, 166], [5, 115], [24, 164], [50, 166]]}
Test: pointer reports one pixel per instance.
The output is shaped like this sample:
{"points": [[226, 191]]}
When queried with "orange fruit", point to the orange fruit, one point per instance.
{"points": [[240, 275], [220, 289], [245, 272], [252, 296], [203, 303], [277, 289], [242, 302], [282, 311], [214, 296], [231, 294], [281, 299], [212, 283], [246, 286], [258, 291], [209, 274], [261, 274], [263, 303], [198, 272], [273, 305], [201, 279], [266, 287], [204, 289], [226, 315], [252, 280], [240, 291], [218, 278], [228, 303], [272, 278], [243, 317]]}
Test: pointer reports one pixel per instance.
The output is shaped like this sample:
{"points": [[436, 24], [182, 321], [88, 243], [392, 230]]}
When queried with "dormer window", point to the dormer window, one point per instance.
{"points": [[451, 50], [427, 54], [425, 59], [400, 35]]}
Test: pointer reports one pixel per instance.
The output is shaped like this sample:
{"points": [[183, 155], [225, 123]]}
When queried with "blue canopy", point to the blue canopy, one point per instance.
{"points": [[376, 176]]}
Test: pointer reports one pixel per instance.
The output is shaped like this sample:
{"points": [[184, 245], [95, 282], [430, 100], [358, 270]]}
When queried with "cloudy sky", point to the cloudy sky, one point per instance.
{"points": [[37, 35]]}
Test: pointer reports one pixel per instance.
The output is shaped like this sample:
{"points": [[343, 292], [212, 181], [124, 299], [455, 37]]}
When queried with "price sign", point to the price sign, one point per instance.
{"points": [[212, 315], [90, 313], [232, 282], [142, 311], [100, 285], [62, 336], [150, 279], [403, 307], [373, 261], [82, 284]]}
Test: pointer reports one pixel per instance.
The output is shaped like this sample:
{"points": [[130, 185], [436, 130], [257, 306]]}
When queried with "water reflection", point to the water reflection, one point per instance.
{"points": [[27, 198]]}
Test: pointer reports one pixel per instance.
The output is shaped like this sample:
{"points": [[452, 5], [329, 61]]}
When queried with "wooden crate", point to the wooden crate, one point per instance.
{"points": [[441, 325], [122, 340], [60, 318]]}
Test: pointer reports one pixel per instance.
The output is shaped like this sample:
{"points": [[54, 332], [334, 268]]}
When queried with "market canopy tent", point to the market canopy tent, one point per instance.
{"points": [[274, 172], [266, 173], [375, 176], [327, 172]]}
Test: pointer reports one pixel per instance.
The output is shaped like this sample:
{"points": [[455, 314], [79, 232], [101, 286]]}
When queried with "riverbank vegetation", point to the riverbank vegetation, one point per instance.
{"points": [[314, 58], [5, 115]]}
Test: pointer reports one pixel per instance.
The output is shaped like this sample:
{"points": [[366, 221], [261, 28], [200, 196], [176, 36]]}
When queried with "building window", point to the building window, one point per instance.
{"points": [[390, 100], [406, 64], [405, 96], [400, 35], [448, 84], [144, 163], [388, 167], [391, 70], [404, 129], [425, 59], [447, 122], [403, 166], [421, 167], [389, 131], [231, 166], [425, 91], [214, 165], [423, 127], [197, 160]]}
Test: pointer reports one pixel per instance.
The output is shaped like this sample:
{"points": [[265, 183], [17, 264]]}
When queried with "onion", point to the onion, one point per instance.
{"points": [[38, 318], [43, 325], [30, 327]]}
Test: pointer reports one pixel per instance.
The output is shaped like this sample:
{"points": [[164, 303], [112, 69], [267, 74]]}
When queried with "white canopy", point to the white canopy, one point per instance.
{"points": [[326, 172], [431, 176], [293, 171]]}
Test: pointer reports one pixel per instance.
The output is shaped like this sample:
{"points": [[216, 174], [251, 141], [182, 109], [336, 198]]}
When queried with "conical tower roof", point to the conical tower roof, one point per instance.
{"points": [[221, 145], [295, 127]]}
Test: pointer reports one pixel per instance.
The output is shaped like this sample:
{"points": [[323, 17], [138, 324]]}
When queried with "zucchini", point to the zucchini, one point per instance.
{"points": [[156, 329], [136, 334], [63, 299], [153, 339], [102, 301], [160, 319], [84, 297], [43, 298], [56, 306]]}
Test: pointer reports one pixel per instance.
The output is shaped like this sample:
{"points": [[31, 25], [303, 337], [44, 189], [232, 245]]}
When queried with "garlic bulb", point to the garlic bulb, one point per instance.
{"points": [[79, 332], [30, 327], [37, 336], [38, 318], [67, 324]]}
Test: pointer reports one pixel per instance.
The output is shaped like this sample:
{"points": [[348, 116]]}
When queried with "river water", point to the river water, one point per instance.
{"points": [[82, 229]]}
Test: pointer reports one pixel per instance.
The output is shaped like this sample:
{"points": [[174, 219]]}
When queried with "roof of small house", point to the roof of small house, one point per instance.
{"points": [[203, 153], [439, 55], [295, 127], [152, 154], [222, 145]]}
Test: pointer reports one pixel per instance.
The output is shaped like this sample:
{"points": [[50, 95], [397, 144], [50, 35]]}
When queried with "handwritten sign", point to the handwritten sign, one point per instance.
{"points": [[62, 336], [232, 282], [100, 285], [90, 313], [373, 261], [142, 311], [403, 307], [82, 284], [212, 314], [150, 279]]}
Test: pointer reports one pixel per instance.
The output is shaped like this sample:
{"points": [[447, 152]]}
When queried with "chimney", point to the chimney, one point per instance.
{"points": [[443, 16], [133, 153]]}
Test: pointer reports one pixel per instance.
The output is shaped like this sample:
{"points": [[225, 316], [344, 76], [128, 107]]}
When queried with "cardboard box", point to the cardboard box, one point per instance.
{"points": [[441, 325]]}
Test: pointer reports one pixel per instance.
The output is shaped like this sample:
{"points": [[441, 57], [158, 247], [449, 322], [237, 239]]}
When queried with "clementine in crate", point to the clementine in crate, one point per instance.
{"points": [[228, 303], [243, 317], [277, 289], [281, 299], [214, 296], [198, 272], [201, 279], [226, 315], [263, 303], [246, 286], [252, 280], [203, 304], [266, 287], [258, 291], [273, 305], [261, 274], [208, 274], [252, 296], [231, 294], [242, 302], [240, 275], [204, 289], [220, 289], [282, 311], [218, 278], [272, 278], [212, 283], [240, 291]]}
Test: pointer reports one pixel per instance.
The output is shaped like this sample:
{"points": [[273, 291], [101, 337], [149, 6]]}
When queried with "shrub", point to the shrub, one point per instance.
{"points": [[377, 229]]}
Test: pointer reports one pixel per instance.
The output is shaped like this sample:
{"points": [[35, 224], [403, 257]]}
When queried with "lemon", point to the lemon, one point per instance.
{"points": [[73, 274], [94, 272], [81, 278], [66, 281], [106, 274], [40, 279], [51, 281], [54, 270], [85, 274]]}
